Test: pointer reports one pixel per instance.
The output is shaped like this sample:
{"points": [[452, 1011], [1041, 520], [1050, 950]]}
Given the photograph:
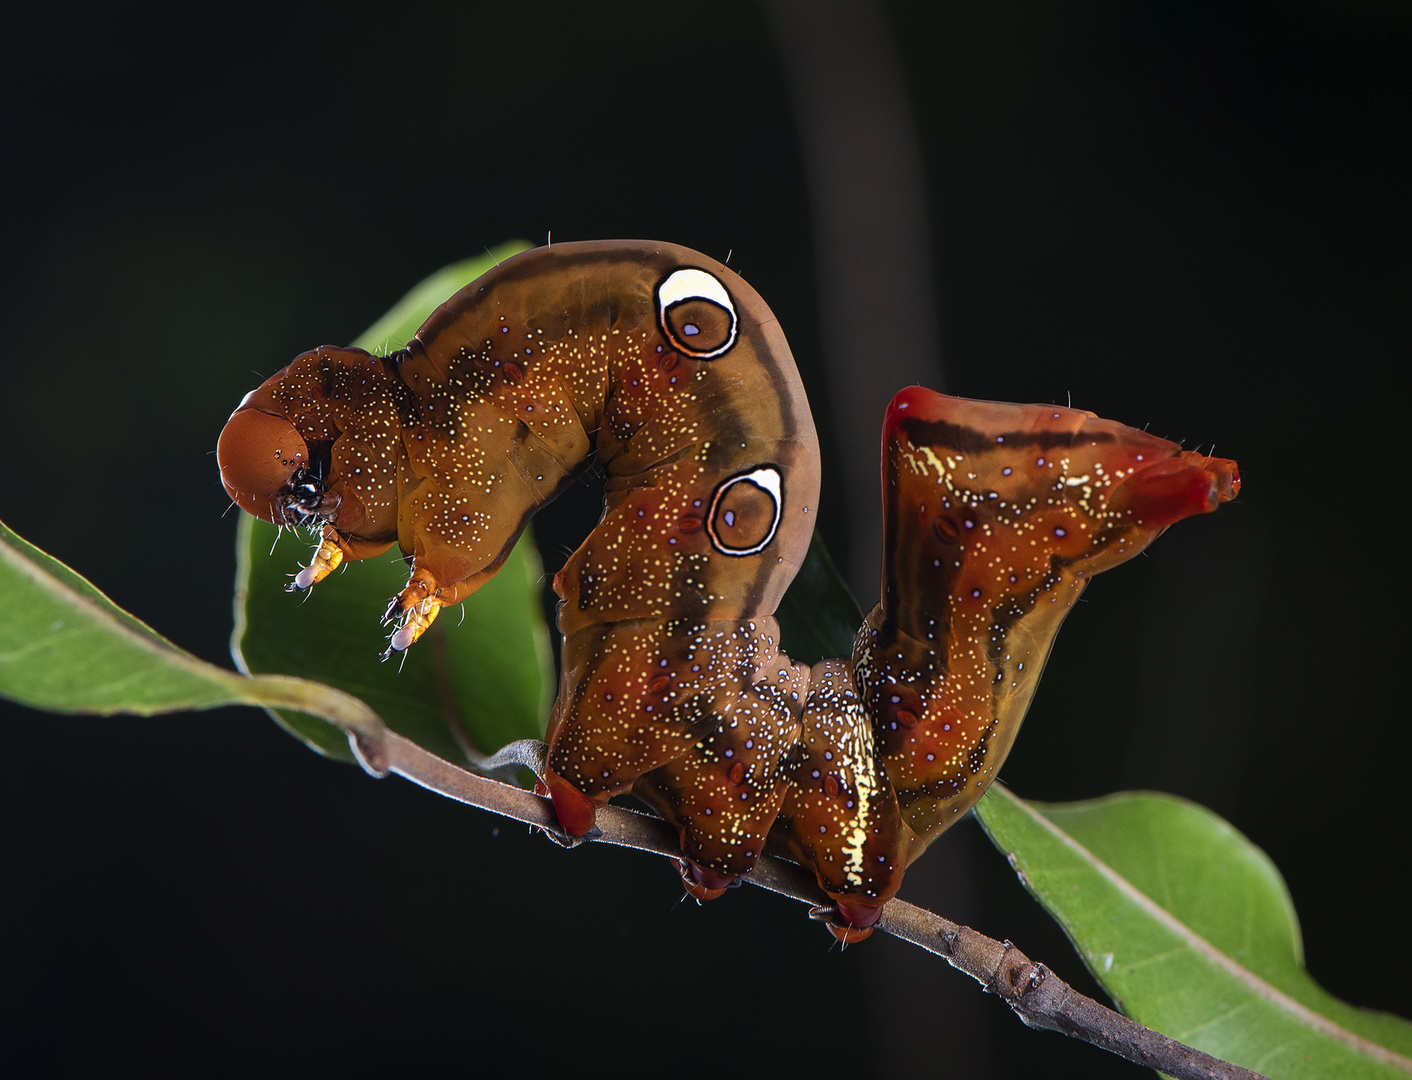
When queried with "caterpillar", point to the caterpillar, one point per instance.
{"points": [[669, 370]]}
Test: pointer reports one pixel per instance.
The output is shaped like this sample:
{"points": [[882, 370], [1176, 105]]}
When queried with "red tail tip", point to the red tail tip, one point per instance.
{"points": [[702, 882], [574, 809]]}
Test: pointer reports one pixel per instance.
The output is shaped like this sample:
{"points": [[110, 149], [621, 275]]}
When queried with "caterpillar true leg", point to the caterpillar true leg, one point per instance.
{"points": [[328, 557], [412, 611]]}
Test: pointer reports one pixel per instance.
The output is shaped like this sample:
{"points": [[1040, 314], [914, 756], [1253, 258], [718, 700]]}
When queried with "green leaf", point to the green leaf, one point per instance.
{"points": [[479, 678], [66, 647], [818, 616], [478, 681], [1189, 927]]}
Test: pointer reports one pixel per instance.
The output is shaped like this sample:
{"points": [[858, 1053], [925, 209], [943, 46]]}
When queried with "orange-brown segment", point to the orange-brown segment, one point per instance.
{"points": [[257, 453], [672, 373], [996, 517]]}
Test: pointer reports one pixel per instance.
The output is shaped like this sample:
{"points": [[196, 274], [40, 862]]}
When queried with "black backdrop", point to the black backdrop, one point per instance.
{"points": [[1189, 217]]}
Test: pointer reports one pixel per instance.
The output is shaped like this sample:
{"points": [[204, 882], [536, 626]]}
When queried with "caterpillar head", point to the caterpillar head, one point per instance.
{"points": [[266, 465], [284, 452]]}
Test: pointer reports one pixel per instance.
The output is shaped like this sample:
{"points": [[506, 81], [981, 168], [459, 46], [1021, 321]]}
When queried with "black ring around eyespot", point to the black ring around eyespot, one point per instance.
{"points": [[692, 283], [766, 477]]}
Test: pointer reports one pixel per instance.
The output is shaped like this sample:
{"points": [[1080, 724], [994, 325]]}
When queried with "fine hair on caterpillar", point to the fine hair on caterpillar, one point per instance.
{"points": [[668, 373]]}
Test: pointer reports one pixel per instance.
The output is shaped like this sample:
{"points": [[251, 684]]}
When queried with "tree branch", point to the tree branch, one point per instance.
{"points": [[1038, 996]]}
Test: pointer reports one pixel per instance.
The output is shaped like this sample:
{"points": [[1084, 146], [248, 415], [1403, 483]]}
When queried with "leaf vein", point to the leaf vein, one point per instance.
{"points": [[1207, 951]]}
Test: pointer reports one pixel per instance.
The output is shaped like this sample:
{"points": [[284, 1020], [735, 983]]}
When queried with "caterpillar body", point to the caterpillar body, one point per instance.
{"points": [[671, 371]]}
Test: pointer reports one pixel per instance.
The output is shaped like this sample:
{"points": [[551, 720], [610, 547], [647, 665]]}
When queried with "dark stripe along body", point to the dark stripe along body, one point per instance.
{"points": [[673, 372], [996, 517]]}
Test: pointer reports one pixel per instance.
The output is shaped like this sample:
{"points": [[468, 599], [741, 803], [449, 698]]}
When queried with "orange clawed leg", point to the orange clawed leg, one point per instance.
{"points": [[327, 559], [413, 610]]}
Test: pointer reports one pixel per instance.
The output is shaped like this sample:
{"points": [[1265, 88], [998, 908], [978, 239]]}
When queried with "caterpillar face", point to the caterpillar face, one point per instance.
{"points": [[318, 445], [669, 370], [264, 465]]}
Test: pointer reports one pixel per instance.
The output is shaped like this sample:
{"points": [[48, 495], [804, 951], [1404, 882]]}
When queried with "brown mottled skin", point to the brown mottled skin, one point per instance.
{"points": [[996, 517], [670, 370]]}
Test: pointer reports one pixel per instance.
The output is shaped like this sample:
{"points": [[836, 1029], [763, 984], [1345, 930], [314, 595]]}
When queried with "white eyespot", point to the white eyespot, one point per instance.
{"points": [[743, 520], [696, 313]]}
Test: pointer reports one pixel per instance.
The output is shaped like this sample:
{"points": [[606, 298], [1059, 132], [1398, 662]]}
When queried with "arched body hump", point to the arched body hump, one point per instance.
{"points": [[568, 352], [670, 370]]}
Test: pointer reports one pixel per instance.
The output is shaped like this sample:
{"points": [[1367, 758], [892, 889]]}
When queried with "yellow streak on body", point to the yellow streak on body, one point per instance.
{"points": [[855, 841], [921, 468]]}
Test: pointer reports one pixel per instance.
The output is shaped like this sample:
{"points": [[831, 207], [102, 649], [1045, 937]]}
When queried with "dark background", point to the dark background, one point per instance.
{"points": [[1191, 217]]}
